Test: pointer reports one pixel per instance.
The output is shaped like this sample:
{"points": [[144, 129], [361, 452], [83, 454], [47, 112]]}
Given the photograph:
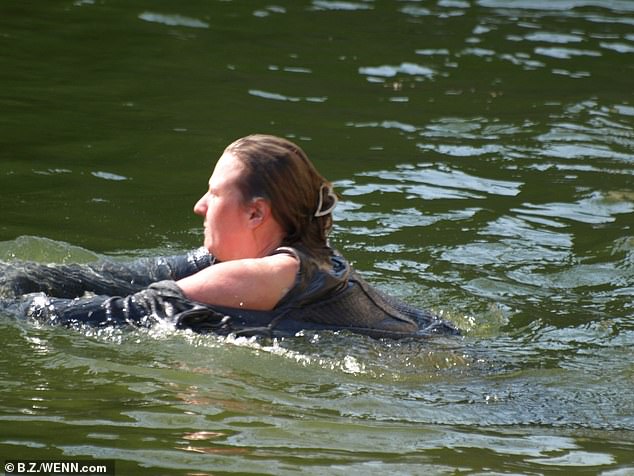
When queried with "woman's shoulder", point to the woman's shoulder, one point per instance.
{"points": [[250, 283], [319, 275], [325, 258]]}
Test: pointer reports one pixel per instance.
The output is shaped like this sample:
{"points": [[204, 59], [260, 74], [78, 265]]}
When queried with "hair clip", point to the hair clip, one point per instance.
{"points": [[331, 194]]}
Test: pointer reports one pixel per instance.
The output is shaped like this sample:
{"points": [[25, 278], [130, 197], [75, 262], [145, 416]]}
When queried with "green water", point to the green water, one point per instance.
{"points": [[484, 151]]}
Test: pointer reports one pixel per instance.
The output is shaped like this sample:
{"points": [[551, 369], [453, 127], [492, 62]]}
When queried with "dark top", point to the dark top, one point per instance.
{"points": [[317, 279], [327, 294]]}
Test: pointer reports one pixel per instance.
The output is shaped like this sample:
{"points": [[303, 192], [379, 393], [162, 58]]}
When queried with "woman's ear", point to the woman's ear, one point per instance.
{"points": [[259, 211]]}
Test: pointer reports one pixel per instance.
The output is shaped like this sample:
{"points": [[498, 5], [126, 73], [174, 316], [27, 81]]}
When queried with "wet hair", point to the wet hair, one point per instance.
{"points": [[301, 199]]}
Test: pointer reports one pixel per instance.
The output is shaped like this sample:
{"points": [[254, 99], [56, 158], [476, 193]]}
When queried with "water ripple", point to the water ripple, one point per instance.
{"points": [[595, 209], [338, 5], [558, 5], [283, 97], [439, 182], [173, 20]]}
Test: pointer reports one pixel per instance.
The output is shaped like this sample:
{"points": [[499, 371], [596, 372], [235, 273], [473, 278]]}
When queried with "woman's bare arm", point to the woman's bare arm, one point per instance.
{"points": [[255, 283]]}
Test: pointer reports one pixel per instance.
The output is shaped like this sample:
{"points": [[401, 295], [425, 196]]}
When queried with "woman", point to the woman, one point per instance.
{"points": [[265, 269]]}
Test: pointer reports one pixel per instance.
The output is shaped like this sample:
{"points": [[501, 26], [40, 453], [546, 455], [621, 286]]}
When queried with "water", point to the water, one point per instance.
{"points": [[485, 153]]}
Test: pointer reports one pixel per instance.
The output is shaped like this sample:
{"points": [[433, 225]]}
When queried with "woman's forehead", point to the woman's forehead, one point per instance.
{"points": [[227, 171]]}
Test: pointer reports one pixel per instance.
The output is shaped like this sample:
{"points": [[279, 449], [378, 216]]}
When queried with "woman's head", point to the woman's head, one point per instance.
{"points": [[279, 171]]}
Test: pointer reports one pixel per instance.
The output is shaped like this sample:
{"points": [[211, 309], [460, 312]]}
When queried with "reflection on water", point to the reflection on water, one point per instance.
{"points": [[483, 150], [173, 20]]}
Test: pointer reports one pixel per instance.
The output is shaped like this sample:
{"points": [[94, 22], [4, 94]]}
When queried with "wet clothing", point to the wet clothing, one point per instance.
{"points": [[327, 295]]}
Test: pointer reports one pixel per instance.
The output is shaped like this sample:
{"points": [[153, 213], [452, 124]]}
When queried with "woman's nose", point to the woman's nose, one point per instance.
{"points": [[200, 208]]}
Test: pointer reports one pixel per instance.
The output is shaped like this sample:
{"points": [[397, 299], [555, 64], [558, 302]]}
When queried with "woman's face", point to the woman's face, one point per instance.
{"points": [[226, 215]]}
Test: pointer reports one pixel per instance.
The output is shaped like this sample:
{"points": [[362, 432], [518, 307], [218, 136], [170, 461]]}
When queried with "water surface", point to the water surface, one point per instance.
{"points": [[484, 151]]}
